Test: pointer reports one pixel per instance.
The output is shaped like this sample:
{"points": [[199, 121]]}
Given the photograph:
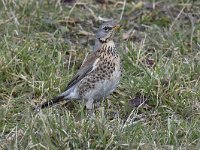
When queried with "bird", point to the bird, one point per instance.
{"points": [[99, 75]]}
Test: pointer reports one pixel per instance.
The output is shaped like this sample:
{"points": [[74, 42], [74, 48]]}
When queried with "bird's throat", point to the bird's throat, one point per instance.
{"points": [[108, 46], [110, 43], [100, 44]]}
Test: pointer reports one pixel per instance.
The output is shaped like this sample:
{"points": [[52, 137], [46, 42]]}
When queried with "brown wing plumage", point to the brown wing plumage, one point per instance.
{"points": [[85, 68]]}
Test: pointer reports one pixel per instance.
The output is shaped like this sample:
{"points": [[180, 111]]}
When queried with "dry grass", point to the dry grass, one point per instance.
{"points": [[42, 45]]}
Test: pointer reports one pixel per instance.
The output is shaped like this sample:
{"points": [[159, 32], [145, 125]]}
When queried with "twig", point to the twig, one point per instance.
{"points": [[122, 13], [72, 9], [177, 17]]}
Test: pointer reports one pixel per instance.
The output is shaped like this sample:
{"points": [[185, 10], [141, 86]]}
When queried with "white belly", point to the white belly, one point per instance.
{"points": [[104, 88]]}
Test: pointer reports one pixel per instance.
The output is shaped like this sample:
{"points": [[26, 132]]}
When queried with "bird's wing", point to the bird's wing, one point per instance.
{"points": [[85, 68]]}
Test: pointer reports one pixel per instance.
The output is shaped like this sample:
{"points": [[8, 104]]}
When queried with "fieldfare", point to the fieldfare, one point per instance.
{"points": [[99, 74]]}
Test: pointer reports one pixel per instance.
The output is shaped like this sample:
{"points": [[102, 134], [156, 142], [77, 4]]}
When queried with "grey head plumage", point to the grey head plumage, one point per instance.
{"points": [[105, 33]]}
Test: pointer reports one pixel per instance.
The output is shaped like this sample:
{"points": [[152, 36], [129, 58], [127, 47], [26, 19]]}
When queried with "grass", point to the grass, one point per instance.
{"points": [[44, 42]]}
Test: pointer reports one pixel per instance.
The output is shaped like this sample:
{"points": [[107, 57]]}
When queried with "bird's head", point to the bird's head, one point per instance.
{"points": [[106, 31]]}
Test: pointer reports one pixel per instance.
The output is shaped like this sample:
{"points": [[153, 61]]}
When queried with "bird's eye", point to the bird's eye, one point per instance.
{"points": [[107, 28]]}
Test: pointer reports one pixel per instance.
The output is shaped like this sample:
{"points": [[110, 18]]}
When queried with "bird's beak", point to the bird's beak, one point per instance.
{"points": [[117, 27]]}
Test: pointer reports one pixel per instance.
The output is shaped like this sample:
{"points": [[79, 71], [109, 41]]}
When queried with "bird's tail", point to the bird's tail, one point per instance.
{"points": [[52, 102]]}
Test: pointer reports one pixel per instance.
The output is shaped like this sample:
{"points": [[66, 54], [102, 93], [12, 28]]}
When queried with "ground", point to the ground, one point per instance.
{"points": [[157, 104]]}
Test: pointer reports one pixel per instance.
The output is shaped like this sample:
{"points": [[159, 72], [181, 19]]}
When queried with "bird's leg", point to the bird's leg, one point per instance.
{"points": [[89, 106], [97, 104]]}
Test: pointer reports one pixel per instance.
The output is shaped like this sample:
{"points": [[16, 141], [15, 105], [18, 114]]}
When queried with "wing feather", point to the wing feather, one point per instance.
{"points": [[85, 68]]}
